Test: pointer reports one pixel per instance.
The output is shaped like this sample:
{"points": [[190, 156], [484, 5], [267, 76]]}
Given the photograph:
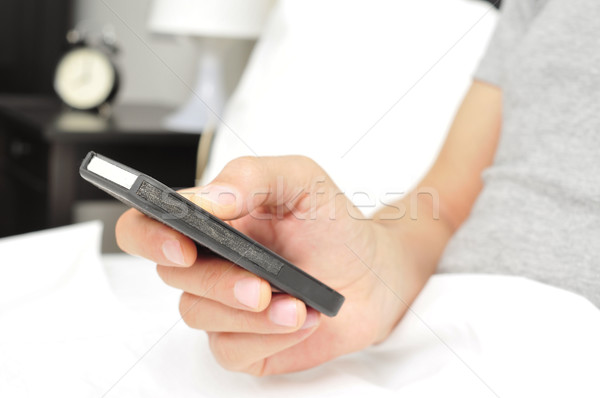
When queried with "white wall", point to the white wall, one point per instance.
{"points": [[155, 68]]}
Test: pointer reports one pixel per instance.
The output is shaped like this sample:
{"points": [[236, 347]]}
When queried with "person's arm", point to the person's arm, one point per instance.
{"points": [[453, 183], [379, 266]]}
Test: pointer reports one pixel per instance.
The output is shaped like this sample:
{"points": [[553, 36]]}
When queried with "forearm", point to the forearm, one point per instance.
{"points": [[444, 198], [417, 228]]}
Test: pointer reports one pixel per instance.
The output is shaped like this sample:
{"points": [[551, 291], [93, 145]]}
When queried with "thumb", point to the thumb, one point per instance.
{"points": [[282, 184]]}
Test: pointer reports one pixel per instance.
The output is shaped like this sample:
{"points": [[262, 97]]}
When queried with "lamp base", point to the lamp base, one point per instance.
{"points": [[192, 117], [203, 108]]}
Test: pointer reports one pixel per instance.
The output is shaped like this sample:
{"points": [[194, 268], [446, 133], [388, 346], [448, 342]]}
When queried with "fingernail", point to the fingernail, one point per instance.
{"points": [[247, 292], [173, 252], [284, 313], [221, 195], [312, 319]]}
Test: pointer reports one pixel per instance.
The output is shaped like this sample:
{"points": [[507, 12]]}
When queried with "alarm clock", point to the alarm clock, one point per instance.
{"points": [[86, 77]]}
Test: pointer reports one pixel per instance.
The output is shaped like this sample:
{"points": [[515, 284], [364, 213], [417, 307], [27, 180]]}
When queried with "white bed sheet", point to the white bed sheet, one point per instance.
{"points": [[75, 324]]}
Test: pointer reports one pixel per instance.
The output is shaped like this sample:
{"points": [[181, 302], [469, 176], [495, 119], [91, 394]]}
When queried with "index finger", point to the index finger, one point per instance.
{"points": [[249, 183], [140, 235]]}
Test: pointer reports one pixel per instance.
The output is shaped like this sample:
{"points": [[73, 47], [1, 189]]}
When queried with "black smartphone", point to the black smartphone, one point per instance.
{"points": [[162, 203]]}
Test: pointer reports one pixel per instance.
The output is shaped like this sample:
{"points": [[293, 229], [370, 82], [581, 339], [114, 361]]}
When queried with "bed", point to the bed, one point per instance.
{"points": [[74, 323]]}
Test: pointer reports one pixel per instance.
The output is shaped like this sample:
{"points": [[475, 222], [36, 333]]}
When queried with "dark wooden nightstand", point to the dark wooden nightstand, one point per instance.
{"points": [[42, 145]]}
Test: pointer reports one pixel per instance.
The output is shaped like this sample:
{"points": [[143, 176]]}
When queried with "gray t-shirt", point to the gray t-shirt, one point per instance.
{"points": [[538, 215]]}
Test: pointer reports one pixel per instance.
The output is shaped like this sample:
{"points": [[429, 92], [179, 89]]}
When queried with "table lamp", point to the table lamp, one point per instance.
{"points": [[212, 23]]}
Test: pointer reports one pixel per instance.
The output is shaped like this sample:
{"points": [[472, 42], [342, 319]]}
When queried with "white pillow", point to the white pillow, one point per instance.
{"points": [[367, 88]]}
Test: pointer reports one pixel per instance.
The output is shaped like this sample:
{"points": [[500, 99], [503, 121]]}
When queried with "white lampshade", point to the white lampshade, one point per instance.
{"points": [[216, 18]]}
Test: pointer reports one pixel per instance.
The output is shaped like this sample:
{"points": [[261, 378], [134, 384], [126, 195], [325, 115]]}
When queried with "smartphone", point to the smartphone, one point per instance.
{"points": [[162, 203]]}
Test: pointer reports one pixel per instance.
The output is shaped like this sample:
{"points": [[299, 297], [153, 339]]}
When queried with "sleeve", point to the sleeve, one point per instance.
{"points": [[515, 18]]}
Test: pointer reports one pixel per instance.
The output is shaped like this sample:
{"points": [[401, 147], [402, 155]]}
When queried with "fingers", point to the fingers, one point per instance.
{"points": [[140, 235], [221, 281], [244, 185], [249, 183], [285, 314], [143, 236], [222, 297], [247, 352]]}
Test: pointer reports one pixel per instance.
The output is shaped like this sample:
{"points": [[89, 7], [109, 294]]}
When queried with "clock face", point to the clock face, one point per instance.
{"points": [[85, 78]]}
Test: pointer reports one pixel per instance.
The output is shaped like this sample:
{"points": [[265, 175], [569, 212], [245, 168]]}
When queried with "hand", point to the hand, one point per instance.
{"points": [[290, 205]]}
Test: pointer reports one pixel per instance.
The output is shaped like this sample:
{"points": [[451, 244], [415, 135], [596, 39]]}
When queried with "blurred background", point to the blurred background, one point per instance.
{"points": [[42, 139], [33, 37]]}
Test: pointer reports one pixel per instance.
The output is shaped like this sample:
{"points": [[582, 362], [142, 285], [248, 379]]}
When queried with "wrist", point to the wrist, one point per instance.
{"points": [[400, 276]]}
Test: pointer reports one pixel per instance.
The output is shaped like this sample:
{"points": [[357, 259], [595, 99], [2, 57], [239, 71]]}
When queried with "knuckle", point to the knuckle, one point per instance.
{"points": [[223, 352], [223, 348], [258, 369], [306, 163], [186, 309], [247, 167], [243, 321], [305, 160], [211, 276], [165, 273], [250, 161]]}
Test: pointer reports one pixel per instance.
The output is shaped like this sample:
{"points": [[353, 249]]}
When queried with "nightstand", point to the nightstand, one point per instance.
{"points": [[42, 145]]}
